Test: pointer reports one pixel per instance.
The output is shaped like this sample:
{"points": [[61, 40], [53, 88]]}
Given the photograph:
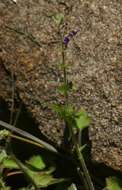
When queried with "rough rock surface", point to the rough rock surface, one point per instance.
{"points": [[29, 47]]}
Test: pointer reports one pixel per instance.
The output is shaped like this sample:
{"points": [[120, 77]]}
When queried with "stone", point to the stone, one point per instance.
{"points": [[30, 48]]}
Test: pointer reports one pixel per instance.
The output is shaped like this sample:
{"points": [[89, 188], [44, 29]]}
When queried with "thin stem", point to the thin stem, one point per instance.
{"points": [[84, 168], [12, 98], [63, 63], [17, 115], [79, 137], [26, 140], [14, 173], [64, 70], [24, 169], [82, 165], [8, 140], [29, 136], [81, 174], [86, 177]]}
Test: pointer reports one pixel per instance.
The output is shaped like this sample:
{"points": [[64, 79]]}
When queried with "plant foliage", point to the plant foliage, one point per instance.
{"points": [[113, 183]]}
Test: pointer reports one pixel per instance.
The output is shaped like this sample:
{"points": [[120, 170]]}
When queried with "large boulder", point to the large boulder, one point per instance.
{"points": [[30, 48]]}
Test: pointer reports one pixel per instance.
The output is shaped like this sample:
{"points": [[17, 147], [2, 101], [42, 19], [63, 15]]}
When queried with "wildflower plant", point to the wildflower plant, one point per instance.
{"points": [[72, 118]]}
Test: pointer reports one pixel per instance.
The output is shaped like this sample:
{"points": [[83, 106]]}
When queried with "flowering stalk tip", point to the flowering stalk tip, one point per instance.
{"points": [[68, 37]]}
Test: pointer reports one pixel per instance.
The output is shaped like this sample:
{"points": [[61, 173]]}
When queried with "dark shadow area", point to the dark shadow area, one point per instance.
{"points": [[65, 163]]}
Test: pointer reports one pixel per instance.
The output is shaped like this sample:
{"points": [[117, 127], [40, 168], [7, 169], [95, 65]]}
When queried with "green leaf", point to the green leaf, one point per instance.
{"points": [[57, 108], [43, 179], [83, 147], [58, 18], [63, 66], [65, 88], [10, 164], [3, 156], [4, 133], [36, 162], [82, 119], [72, 187], [69, 112], [65, 112], [50, 170], [113, 183]]}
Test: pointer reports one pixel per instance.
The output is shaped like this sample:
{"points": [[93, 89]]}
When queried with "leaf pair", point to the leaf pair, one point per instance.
{"points": [[58, 18], [35, 169], [65, 88], [78, 119]]}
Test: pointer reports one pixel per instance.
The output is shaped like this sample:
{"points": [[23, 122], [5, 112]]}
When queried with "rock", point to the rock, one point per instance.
{"points": [[30, 48], [5, 84]]}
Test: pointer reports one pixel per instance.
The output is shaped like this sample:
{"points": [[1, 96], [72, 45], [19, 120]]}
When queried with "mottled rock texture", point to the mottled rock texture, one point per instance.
{"points": [[30, 48]]}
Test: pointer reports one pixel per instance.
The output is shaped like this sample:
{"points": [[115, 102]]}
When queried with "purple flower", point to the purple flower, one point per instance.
{"points": [[66, 40], [69, 36], [72, 33]]}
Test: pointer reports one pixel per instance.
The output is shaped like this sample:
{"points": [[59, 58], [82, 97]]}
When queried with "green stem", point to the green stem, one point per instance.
{"points": [[26, 140], [29, 136], [81, 174], [84, 168], [64, 70], [12, 98], [24, 170], [17, 114]]}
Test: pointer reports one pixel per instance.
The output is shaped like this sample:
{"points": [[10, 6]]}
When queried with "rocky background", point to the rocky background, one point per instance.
{"points": [[30, 51]]}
